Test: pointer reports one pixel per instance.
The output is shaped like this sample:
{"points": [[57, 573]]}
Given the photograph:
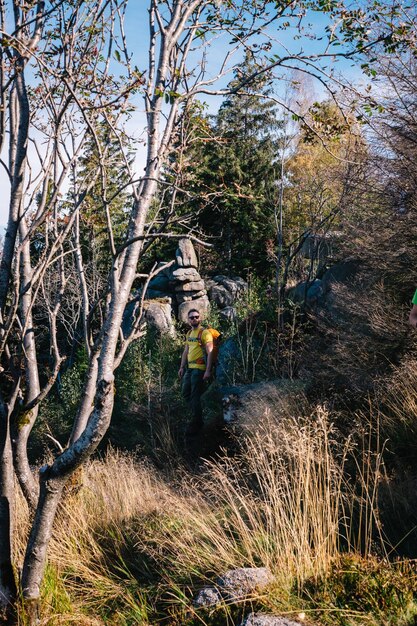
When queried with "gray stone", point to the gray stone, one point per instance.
{"points": [[184, 297], [238, 583], [186, 274], [209, 282], [229, 312], [221, 296], [185, 254], [158, 315], [311, 293], [207, 596], [167, 269], [245, 405], [189, 295], [198, 285], [340, 273], [160, 283], [235, 285], [315, 292], [263, 619], [225, 291], [152, 294], [240, 282], [201, 304], [319, 291]]}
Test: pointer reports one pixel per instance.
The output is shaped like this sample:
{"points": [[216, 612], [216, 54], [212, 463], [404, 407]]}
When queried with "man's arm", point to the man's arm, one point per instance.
{"points": [[413, 316], [183, 362], [209, 360]]}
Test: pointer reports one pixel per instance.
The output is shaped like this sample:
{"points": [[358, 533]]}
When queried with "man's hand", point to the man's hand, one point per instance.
{"points": [[207, 375], [181, 372]]}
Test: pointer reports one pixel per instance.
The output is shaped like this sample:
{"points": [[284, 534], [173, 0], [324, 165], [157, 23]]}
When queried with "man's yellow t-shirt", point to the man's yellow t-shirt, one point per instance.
{"points": [[196, 352]]}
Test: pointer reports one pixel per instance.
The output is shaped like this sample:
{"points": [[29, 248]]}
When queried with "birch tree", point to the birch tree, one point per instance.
{"points": [[58, 87]]}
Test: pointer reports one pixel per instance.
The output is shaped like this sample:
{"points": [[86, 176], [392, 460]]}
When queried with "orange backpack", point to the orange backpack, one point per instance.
{"points": [[217, 338]]}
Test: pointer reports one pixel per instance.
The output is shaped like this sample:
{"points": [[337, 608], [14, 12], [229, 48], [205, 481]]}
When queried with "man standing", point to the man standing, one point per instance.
{"points": [[195, 368], [413, 313]]}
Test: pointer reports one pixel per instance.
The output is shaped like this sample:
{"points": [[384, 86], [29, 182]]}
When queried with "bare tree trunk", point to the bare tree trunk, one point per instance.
{"points": [[25, 421], [8, 589], [52, 481], [19, 130], [35, 559], [87, 400]]}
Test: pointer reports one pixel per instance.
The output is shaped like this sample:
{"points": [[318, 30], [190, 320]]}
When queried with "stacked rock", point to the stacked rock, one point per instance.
{"points": [[190, 291], [181, 284]]}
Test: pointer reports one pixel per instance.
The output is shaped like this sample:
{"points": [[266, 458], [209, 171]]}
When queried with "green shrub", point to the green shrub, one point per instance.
{"points": [[364, 591]]}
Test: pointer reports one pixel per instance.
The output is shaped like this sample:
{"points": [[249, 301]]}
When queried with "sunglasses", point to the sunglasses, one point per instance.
{"points": [[194, 317]]}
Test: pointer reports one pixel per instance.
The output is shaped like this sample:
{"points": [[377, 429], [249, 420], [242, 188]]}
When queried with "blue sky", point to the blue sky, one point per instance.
{"points": [[136, 26]]}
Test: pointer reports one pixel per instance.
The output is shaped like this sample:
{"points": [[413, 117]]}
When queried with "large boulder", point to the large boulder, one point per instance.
{"points": [[201, 304], [221, 296], [161, 282], [308, 292], [153, 294], [319, 291], [229, 313], [340, 273], [224, 291], [159, 316], [185, 254], [245, 406], [235, 284]]}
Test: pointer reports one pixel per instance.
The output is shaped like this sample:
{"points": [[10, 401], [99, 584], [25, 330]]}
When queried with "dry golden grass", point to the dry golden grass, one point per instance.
{"points": [[126, 537], [279, 504]]}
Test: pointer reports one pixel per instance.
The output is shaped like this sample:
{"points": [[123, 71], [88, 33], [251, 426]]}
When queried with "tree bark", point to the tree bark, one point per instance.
{"points": [[23, 423], [8, 589], [35, 558]]}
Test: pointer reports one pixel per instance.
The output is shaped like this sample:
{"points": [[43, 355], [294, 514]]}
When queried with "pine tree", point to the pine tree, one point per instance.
{"points": [[236, 170]]}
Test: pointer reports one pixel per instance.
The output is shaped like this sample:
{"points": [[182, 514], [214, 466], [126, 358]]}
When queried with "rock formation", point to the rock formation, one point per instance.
{"points": [[182, 287]]}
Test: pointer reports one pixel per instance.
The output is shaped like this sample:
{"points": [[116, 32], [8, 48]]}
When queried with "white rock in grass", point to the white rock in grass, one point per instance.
{"points": [[241, 582], [207, 596], [263, 619]]}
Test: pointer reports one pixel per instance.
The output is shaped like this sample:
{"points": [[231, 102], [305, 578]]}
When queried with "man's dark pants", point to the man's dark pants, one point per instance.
{"points": [[192, 390]]}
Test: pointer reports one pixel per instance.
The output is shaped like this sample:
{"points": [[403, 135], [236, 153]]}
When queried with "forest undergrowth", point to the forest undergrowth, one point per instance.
{"points": [[133, 544], [318, 482]]}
